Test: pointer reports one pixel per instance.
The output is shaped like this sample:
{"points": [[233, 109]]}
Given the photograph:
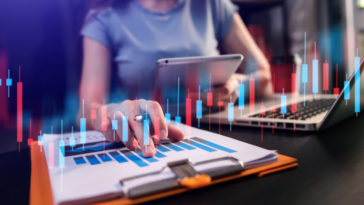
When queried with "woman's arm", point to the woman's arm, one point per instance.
{"points": [[239, 40], [95, 76], [93, 92]]}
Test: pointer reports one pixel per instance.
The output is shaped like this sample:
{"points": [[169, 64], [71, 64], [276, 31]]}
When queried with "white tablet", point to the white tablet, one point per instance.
{"points": [[196, 70]]}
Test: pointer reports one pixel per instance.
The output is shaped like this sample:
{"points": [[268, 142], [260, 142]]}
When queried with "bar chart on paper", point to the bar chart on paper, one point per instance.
{"points": [[99, 152], [96, 167]]}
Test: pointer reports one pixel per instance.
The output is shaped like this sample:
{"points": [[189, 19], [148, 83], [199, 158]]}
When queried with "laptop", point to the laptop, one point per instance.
{"points": [[314, 112]]}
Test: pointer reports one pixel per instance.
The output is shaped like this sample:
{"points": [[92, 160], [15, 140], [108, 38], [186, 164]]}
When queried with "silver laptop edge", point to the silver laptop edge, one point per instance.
{"points": [[338, 111]]}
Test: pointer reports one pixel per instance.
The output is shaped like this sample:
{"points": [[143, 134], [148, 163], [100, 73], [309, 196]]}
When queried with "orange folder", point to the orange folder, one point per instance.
{"points": [[41, 192]]}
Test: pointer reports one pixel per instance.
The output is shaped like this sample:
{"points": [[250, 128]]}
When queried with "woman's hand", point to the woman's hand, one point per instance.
{"points": [[131, 108], [229, 92], [239, 40], [223, 94]]}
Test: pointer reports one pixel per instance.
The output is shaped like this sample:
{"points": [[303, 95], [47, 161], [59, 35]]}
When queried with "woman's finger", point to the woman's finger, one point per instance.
{"points": [[158, 122], [131, 142], [103, 123], [137, 127], [110, 134], [149, 150], [145, 142], [126, 111], [174, 134], [123, 129]]}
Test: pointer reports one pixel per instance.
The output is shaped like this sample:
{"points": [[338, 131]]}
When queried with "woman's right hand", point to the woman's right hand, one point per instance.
{"points": [[130, 109]]}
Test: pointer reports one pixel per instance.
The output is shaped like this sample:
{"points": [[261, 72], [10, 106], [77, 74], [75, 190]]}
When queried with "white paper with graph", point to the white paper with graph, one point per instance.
{"points": [[97, 167]]}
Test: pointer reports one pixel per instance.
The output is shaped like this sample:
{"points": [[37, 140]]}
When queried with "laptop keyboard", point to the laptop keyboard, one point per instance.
{"points": [[311, 109]]}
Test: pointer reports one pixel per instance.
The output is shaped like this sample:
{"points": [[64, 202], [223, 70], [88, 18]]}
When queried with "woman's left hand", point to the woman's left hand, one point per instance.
{"points": [[222, 95], [229, 92]]}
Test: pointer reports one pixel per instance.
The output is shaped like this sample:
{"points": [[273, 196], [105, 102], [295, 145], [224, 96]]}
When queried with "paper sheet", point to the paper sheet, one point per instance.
{"points": [[83, 180]]}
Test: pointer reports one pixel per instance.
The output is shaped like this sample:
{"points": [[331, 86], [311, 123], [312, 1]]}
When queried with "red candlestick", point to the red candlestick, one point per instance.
{"points": [[326, 76], [251, 95]]}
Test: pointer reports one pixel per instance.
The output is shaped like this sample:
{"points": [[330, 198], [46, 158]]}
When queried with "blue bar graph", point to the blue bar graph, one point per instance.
{"points": [[178, 119], [304, 80], [134, 158], [9, 82], [72, 141], [160, 155], [199, 109], [118, 157], [104, 157], [125, 129], [214, 145], [357, 85], [92, 147], [304, 73], [304, 65], [61, 153], [283, 104], [146, 132], [199, 106], [79, 160], [346, 90], [92, 159], [114, 124], [230, 111], [172, 147], [124, 155], [315, 74], [40, 140], [241, 96], [83, 130], [184, 145], [163, 149], [198, 145], [149, 159], [168, 117]]}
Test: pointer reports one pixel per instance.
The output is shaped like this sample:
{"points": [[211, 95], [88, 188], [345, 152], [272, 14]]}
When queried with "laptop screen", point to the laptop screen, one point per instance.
{"points": [[350, 101]]}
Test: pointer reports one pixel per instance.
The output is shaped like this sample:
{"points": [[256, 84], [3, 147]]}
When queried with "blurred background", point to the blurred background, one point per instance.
{"points": [[43, 37]]}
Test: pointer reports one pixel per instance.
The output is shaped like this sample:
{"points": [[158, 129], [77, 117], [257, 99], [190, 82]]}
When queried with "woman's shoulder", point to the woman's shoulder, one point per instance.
{"points": [[107, 12], [216, 6], [99, 14], [220, 3]]}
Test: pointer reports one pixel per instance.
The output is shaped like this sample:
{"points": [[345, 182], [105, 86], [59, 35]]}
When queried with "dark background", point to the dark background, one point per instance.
{"points": [[43, 37]]}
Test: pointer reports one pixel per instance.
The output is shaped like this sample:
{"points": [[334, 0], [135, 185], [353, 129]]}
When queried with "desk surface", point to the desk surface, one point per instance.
{"points": [[331, 170]]}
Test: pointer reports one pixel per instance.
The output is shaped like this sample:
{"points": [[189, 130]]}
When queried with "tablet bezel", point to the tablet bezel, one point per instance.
{"points": [[208, 65]]}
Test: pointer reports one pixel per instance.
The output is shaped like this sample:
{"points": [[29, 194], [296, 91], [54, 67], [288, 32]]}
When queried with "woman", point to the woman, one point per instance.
{"points": [[134, 34]]}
